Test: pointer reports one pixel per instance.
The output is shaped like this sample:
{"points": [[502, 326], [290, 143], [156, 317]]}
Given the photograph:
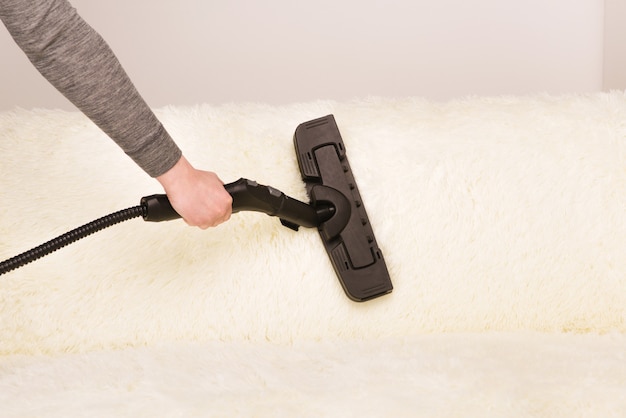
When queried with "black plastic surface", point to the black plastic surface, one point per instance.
{"points": [[248, 195], [347, 235]]}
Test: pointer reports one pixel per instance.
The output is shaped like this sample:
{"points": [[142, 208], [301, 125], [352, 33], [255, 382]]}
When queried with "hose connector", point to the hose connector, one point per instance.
{"points": [[157, 208]]}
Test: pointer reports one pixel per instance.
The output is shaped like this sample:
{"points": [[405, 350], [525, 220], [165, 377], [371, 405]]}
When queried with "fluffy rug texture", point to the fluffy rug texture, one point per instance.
{"points": [[502, 221]]}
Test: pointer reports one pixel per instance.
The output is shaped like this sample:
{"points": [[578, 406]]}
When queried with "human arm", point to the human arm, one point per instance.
{"points": [[75, 59]]}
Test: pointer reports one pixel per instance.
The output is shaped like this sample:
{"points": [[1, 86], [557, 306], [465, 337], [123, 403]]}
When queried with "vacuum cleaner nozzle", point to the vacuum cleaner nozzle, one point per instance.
{"points": [[347, 235]]}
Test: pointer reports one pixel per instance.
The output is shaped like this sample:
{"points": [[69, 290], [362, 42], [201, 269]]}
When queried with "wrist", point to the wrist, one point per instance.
{"points": [[174, 175]]}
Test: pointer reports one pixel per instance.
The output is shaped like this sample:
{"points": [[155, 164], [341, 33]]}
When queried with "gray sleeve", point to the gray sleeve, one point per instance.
{"points": [[75, 59]]}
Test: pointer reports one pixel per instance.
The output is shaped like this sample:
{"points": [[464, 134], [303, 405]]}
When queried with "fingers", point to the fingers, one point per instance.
{"points": [[198, 196], [217, 209]]}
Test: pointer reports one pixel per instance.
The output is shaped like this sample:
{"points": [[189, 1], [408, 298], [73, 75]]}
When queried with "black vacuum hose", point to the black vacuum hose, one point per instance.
{"points": [[70, 237], [247, 195]]}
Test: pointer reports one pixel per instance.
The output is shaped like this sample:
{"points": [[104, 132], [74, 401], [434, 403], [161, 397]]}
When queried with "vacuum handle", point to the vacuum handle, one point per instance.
{"points": [[248, 195]]}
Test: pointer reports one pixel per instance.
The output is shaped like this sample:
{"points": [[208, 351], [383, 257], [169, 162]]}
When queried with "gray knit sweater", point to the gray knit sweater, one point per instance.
{"points": [[78, 62]]}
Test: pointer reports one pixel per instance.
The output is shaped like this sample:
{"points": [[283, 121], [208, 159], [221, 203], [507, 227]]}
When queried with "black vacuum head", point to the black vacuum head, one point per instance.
{"points": [[347, 235]]}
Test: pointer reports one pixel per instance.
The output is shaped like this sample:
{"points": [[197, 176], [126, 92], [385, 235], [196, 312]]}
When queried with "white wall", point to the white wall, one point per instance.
{"points": [[614, 45], [281, 51]]}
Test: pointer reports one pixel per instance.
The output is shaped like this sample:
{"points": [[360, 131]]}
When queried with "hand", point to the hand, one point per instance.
{"points": [[198, 196]]}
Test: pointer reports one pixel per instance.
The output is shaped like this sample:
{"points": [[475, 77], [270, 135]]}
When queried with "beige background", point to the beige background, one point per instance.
{"points": [[283, 51], [614, 44]]}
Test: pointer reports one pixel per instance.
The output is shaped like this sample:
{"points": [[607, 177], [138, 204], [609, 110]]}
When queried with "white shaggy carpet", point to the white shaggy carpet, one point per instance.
{"points": [[502, 221]]}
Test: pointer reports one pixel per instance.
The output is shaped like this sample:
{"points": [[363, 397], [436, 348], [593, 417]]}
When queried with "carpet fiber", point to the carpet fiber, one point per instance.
{"points": [[502, 221]]}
